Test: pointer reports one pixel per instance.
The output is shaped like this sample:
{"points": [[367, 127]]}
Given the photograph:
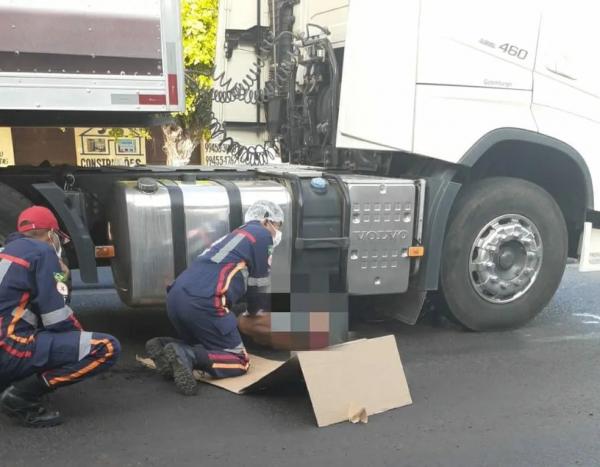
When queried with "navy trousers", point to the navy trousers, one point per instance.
{"points": [[61, 358], [215, 339]]}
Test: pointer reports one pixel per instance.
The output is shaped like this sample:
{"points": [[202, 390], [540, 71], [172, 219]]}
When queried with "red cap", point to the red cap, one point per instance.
{"points": [[39, 217]]}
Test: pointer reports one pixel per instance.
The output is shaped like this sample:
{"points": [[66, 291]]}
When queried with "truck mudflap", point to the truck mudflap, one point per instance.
{"points": [[63, 204]]}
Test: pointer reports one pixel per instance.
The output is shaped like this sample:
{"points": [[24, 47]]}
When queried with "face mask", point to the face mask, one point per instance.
{"points": [[277, 238], [55, 243]]}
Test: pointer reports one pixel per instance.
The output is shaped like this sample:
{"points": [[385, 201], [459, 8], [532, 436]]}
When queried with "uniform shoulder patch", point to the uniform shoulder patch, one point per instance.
{"points": [[62, 289], [60, 277]]}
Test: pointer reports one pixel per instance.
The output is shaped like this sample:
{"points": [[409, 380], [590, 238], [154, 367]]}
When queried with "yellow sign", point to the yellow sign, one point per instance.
{"points": [[96, 147], [7, 155]]}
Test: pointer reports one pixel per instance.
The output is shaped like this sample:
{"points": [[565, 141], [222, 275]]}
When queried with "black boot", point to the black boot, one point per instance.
{"points": [[181, 358], [23, 401], [155, 348]]}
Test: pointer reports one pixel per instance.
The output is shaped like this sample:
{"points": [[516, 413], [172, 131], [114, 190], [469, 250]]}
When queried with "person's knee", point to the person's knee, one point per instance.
{"points": [[229, 372], [201, 359], [116, 348], [110, 348]]}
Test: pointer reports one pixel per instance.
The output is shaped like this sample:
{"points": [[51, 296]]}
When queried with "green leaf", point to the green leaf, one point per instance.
{"points": [[199, 24]]}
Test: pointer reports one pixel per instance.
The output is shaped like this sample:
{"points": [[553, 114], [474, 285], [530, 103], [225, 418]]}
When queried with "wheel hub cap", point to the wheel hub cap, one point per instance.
{"points": [[506, 258]]}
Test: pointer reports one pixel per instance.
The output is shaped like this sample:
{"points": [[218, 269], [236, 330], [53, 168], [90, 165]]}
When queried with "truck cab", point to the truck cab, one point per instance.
{"points": [[477, 100]]}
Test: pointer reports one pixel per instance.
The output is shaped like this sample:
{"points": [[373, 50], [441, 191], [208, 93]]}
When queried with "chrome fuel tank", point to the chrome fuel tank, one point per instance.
{"points": [[145, 229]]}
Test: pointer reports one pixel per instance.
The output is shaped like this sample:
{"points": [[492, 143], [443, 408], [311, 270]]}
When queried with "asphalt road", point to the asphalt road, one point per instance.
{"points": [[523, 398]]}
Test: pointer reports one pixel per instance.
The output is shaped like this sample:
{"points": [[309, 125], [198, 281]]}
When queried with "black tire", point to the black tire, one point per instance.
{"points": [[478, 205], [11, 204]]}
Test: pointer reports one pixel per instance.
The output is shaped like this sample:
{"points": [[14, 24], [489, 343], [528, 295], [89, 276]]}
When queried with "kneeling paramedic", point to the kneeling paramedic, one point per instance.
{"points": [[42, 345], [199, 301]]}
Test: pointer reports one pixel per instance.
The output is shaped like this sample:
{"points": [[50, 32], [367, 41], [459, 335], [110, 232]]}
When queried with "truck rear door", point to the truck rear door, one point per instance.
{"points": [[101, 55]]}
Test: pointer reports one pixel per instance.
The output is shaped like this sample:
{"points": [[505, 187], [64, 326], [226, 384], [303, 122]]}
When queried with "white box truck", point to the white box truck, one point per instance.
{"points": [[430, 146]]}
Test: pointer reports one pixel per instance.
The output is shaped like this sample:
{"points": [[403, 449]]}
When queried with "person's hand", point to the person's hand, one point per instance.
{"points": [[257, 314], [256, 326]]}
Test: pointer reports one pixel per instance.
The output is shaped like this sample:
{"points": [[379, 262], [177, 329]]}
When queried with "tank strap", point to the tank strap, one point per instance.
{"points": [[178, 227], [235, 203]]}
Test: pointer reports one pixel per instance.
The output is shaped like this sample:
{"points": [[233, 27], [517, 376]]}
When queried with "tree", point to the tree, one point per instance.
{"points": [[199, 24]]}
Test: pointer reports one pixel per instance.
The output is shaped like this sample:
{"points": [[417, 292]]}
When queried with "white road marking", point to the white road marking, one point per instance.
{"points": [[587, 315], [573, 337]]}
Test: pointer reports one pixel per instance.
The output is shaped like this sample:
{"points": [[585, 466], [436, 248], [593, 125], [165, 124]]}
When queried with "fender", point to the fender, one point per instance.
{"points": [[476, 152], [439, 198], [441, 194], [80, 235], [442, 190]]}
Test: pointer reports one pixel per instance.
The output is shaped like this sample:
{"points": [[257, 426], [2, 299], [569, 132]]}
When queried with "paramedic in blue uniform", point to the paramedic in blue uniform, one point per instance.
{"points": [[42, 344], [199, 301]]}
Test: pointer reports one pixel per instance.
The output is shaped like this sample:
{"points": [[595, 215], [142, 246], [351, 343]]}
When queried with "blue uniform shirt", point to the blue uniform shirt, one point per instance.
{"points": [[32, 295], [235, 265]]}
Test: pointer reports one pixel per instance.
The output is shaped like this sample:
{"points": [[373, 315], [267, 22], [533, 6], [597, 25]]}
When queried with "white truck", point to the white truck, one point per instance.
{"points": [[429, 146]]}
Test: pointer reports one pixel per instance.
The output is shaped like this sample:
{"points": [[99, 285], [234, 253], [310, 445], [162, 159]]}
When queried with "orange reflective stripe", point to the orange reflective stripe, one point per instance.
{"points": [[14, 259], [10, 332], [233, 272], [241, 265], [224, 303], [236, 366], [92, 366], [22, 340]]}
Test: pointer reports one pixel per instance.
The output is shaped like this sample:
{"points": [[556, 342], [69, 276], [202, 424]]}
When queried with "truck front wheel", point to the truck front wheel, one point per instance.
{"points": [[505, 253]]}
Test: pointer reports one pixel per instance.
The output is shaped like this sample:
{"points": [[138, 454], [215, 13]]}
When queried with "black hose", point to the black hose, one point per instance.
{"points": [[225, 91], [254, 155], [248, 155]]}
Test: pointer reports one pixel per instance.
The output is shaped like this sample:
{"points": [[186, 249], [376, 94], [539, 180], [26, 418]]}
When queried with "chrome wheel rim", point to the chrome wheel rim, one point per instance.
{"points": [[506, 258]]}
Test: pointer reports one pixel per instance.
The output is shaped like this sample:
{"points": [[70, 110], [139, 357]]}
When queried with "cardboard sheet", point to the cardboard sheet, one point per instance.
{"points": [[347, 382], [357, 380], [260, 372]]}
